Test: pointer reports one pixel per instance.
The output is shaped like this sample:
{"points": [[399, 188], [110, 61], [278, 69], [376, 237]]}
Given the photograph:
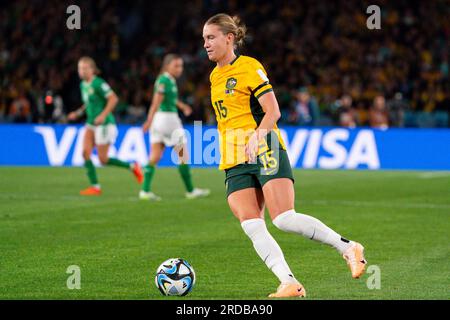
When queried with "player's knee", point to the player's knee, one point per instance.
{"points": [[103, 159], [86, 155], [154, 158], [243, 215]]}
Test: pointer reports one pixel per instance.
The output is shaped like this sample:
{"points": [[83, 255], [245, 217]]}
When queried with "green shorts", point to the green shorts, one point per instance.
{"points": [[270, 165]]}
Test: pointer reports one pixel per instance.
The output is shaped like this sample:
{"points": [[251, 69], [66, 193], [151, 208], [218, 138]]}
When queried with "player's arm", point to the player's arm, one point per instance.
{"points": [[269, 104], [185, 108], [158, 98], [111, 102], [74, 115], [261, 89], [272, 112]]}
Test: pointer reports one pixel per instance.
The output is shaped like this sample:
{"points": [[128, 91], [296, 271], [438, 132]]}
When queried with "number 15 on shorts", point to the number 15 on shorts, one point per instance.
{"points": [[269, 162]]}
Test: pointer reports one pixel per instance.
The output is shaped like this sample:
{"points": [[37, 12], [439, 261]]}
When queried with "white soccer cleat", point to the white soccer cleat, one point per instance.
{"points": [[198, 193], [148, 196]]}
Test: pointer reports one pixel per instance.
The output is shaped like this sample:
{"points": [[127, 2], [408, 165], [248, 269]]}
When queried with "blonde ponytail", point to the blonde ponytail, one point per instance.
{"points": [[229, 24]]}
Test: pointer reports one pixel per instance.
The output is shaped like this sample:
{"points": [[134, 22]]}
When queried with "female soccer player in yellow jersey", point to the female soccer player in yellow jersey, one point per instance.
{"points": [[253, 155], [98, 102]]}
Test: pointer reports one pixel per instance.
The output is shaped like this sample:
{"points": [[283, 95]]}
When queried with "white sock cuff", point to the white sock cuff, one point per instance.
{"points": [[251, 226], [251, 221], [278, 221]]}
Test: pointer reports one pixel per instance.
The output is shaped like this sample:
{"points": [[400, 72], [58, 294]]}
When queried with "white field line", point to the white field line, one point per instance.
{"points": [[431, 175], [374, 204]]}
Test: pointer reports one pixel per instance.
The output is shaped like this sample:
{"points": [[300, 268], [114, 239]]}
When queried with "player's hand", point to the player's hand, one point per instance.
{"points": [[146, 126], [251, 149], [72, 116], [99, 120], [187, 111]]}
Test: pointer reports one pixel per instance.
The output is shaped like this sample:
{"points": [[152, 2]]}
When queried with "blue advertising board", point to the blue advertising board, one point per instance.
{"points": [[319, 148]]}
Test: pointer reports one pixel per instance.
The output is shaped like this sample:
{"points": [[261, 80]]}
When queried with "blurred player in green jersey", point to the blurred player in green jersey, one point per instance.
{"points": [[98, 102], [166, 128]]}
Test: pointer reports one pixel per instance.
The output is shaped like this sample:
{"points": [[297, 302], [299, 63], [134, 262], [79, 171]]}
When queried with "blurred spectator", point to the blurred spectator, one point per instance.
{"points": [[3, 110], [305, 111], [396, 109], [51, 107], [346, 114], [378, 116], [20, 109], [362, 114]]}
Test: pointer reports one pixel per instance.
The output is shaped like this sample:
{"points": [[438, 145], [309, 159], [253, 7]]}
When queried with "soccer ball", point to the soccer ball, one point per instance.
{"points": [[175, 277]]}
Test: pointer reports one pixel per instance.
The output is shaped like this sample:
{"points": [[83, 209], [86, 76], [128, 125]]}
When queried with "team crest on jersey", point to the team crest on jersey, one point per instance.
{"points": [[230, 85]]}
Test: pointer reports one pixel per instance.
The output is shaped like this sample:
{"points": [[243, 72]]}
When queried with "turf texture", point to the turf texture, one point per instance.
{"points": [[401, 217]]}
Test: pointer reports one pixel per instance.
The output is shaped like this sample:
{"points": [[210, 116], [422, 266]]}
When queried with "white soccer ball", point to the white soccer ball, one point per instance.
{"points": [[175, 277]]}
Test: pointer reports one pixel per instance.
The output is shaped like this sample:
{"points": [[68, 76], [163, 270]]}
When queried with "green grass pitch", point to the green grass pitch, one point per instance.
{"points": [[402, 219]]}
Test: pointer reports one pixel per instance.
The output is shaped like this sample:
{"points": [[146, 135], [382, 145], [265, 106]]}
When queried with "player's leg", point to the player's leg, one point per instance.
{"points": [[156, 153], [247, 204], [279, 196], [105, 135], [185, 173], [102, 151], [88, 146], [158, 140]]}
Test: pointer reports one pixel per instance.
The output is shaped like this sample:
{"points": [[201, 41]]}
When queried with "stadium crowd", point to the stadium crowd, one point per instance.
{"points": [[326, 66]]}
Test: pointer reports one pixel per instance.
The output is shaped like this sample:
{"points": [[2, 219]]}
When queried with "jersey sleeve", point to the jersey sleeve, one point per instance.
{"points": [[103, 88], [161, 85], [257, 79]]}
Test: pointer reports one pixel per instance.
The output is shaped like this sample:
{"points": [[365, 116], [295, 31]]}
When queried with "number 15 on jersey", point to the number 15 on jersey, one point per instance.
{"points": [[221, 109]]}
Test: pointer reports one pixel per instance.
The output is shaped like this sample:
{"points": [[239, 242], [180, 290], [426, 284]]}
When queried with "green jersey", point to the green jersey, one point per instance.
{"points": [[166, 85], [94, 95]]}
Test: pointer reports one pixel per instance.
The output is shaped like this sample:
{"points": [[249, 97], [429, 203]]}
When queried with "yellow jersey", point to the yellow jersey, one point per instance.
{"points": [[235, 89]]}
